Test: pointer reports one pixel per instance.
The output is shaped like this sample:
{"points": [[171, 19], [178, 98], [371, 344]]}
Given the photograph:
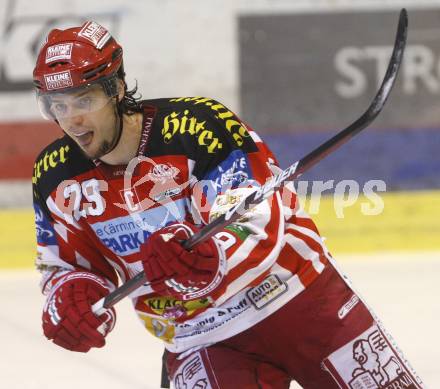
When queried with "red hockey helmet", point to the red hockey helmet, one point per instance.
{"points": [[75, 59]]}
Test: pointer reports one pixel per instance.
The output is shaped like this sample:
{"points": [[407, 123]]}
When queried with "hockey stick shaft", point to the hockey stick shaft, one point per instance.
{"points": [[292, 172]]}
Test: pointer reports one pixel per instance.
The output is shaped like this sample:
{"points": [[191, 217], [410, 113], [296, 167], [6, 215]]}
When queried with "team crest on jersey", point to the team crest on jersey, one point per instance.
{"points": [[192, 374], [162, 172], [370, 362]]}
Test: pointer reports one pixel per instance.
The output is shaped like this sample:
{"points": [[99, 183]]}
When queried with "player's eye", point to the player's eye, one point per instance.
{"points": [[84, 102], [59, 108]]}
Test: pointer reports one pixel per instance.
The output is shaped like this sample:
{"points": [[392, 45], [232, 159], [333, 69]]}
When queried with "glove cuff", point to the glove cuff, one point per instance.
{"points": [[75, 275], [195, 293]]}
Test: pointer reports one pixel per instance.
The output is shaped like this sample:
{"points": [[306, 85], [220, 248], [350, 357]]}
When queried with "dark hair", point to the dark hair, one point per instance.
{"points": [[130, 104]]}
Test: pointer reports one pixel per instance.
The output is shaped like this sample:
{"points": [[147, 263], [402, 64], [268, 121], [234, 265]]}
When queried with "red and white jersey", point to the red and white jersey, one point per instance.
{"points": [[196, 159]]}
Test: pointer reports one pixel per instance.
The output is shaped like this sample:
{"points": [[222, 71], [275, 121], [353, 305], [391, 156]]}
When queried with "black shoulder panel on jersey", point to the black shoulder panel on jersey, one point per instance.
{"points": [[61, 160], [201, 128]]}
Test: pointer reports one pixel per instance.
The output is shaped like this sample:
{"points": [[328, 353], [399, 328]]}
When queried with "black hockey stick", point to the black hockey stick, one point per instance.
{"points": [[289, 174]]}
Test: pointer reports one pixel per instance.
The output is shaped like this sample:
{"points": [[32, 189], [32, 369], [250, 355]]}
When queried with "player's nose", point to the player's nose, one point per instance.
{"points": [[77, 120]]}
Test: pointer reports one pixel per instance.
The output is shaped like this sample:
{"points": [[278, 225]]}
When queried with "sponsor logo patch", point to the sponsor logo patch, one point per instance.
{"points": [[348, 306], [231, 173], [160, 328], [241, 231], [58, 80], [50, 161], [228, 203], [124, 235], [95, 33], [237, 129], [58, 52], [369, 362], [263, 294], [183, 123], [211, 321], [167, 194], [45, 231], [166, 306]]}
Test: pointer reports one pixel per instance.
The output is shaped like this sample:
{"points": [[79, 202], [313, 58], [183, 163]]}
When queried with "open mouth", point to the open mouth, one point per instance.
{"points": [[83, 138]]}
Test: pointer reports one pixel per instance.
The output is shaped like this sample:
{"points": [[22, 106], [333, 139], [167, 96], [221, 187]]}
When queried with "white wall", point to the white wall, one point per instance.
{"points": [[172, 47]]}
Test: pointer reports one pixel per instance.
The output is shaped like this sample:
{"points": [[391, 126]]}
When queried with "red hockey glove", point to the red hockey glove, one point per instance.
{"points": [[184, 274], [67, 316]]}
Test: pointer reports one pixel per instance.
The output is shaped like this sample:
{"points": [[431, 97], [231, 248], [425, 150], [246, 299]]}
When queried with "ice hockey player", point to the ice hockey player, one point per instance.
{"points": [[258, 305]]}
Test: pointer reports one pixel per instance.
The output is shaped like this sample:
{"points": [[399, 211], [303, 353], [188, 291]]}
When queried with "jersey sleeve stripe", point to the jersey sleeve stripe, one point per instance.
{"points": [[309, 236], [305, 251]]}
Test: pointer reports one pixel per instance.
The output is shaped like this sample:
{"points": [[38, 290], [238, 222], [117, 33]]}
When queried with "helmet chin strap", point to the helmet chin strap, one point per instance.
{"points": [[120, 125]]}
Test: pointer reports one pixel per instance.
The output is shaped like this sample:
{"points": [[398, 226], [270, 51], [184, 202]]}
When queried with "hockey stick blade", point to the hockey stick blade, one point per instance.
{"points": [[292, 172]]}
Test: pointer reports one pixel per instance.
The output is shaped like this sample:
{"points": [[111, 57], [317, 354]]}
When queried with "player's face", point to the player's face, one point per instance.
{"points": [[89, 118]]}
